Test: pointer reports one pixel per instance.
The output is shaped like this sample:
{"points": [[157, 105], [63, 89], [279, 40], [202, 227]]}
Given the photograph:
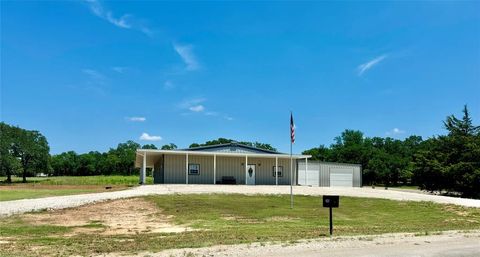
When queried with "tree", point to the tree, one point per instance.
{"points": [[149, 146], [65, 164], [126, 156], [320, 153], [461, 127], [9, 164], [170, 146], [23, 151], [452, 162]]}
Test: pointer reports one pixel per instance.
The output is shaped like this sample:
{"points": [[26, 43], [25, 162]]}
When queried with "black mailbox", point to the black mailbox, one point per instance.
{"points": [[330, 201]]}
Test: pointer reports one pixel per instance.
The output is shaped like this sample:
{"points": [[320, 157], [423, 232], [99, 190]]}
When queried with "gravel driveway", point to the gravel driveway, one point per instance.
{"points": [[60, 202]]}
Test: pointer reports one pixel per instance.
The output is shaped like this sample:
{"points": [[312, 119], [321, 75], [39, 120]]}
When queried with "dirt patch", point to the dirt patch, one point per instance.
{"points": [[241, 219], [127, 216], [282, 218], [457, 210]]}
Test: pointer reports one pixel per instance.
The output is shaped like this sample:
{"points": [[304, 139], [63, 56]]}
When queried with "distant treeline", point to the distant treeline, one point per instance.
{"points": [[441, 163], [448, 163]]}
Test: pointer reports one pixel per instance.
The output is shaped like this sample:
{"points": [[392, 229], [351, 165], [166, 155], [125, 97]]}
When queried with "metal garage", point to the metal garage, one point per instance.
{"points": [[329, 174]]}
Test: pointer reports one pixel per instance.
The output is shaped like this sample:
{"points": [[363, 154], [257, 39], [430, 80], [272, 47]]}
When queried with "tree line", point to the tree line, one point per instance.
{"points": [[448, 162]]}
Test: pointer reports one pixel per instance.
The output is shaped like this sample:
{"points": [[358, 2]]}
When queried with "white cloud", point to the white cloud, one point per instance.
{"points": [[187, 55], [125, 21], [195, 105], [197, 108], [394, 132], [136, 119], [368, 65], [147, 137]]}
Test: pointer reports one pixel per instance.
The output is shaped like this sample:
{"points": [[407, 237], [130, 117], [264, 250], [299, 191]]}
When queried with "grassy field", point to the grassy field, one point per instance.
{"points": [[233, 219], [37, 187], [80, 180], [7, 194]]}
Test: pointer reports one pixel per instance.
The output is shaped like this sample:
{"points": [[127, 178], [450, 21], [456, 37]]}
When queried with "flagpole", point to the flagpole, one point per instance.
{"points": [[291, 176], [291, 162]]}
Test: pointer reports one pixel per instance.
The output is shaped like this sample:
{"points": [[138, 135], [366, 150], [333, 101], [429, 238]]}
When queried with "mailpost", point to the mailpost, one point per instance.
{"points": [[331, 201]]}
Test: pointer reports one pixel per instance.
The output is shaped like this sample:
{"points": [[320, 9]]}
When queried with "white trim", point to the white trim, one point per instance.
{"points": [[186, 169], [246, 168], [306, 168], [144, 170], [214, 169], [276, 171], [271, 155]]}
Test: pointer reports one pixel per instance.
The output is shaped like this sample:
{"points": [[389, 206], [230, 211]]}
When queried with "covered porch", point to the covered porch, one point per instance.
{"points": [[207, 167]]}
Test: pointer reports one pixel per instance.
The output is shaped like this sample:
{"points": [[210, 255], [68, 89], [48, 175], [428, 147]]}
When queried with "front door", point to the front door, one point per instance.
{"points": [[251, 174]]}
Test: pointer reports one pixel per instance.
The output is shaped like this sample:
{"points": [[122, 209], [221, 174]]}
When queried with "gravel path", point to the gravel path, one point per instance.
{"points": [[449, 243], [60, 202]]}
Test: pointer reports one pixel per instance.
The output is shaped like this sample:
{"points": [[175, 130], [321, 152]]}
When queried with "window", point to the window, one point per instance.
{"points": [[280, 171], [193, 169]]}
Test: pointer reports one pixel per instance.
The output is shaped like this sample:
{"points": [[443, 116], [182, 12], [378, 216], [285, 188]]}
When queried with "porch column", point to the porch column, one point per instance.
{"points": [[144, 169], [246, 168], [186, 168], [306, 169], [214, 169], [276, 171]]}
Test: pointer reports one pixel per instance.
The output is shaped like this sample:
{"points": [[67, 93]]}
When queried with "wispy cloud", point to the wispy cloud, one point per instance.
{"points": [[362, 68], [395, 132], [95, 77], [125, 21], [168, 85], [136, 119], [187, 55], [186, 104], [197, 108], [146, 137], [197, 105], [119, 69]]}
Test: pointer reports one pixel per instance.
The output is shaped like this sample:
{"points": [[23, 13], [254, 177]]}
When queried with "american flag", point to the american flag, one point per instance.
{"points": [[292, 129]]}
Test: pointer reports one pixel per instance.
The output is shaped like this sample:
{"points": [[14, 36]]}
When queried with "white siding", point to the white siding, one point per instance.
{"points": [[174, 169], [322, 171]]}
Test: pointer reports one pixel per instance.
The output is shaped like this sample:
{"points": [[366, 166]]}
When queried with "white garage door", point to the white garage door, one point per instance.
{"points": [[308, 177], [341, 177]]}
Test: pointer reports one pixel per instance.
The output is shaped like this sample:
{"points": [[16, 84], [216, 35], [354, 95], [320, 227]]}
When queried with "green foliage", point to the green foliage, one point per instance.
{"points": [[448, 163], [22, 151], [383, 160], [452, 162], [149, 146], [170, 146]]}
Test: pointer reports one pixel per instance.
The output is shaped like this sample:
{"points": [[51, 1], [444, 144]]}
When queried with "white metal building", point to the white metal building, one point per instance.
{"points": [[231, 163], [329, 174]]}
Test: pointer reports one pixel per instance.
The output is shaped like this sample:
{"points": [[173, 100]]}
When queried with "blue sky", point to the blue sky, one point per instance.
{"points": [[91, 74]]}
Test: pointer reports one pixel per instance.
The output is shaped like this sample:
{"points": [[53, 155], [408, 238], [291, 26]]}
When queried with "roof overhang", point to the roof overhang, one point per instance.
{"points": [[154, 152]]}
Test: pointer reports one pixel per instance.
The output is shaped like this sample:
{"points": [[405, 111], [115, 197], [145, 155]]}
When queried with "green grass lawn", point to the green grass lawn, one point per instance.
{"points": [[233, 219], [16, 194], [81, 180], [37, 187]]}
